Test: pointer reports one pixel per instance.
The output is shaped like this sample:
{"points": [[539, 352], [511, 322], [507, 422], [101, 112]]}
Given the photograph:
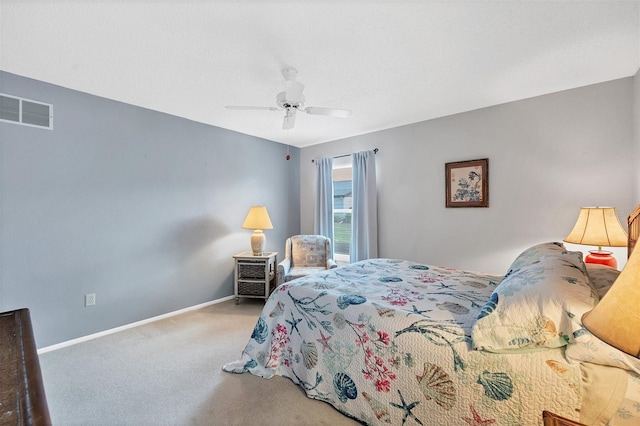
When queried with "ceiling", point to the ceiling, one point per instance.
{"points": [[391, 62]]}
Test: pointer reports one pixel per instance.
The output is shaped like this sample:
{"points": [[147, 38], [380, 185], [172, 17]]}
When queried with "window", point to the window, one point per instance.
{"points": [[342, 204]]}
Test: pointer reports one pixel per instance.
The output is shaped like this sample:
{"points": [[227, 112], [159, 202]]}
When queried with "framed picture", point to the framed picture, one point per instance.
{"points": [[467, 183]]}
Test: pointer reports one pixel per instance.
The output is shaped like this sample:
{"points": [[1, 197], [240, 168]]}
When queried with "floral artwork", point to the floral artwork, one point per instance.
{"points": [[467, 183]]}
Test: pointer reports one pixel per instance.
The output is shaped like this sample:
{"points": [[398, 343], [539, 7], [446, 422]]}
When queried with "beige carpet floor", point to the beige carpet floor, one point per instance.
{"points": [[169, 372]]}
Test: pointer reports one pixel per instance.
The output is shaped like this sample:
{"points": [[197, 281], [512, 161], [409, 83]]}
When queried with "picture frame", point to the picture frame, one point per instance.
{"points": [[467, 183]]}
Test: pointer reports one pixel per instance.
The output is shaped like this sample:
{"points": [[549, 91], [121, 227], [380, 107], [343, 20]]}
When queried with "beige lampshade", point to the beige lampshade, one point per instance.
{"points": [[616, 318], [258, 218], [598, 226]]}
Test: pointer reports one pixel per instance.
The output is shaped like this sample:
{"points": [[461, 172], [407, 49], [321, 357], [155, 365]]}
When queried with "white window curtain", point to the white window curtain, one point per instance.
{"points": [[364, 216], [323, 220]]}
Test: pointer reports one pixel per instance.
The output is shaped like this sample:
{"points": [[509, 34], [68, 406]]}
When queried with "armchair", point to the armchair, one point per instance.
{"points": [[305, 254]]}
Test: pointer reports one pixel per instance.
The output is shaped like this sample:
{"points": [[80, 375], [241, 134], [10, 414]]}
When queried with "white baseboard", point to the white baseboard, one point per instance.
{"points": [[128, 326]]}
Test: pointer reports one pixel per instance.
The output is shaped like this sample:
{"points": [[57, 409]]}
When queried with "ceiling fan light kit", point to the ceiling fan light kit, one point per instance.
{"points": [[292, 100]]}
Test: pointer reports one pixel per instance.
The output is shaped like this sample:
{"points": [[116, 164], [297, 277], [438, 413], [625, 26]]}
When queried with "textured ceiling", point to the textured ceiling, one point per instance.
{"points": [[391, 62]]}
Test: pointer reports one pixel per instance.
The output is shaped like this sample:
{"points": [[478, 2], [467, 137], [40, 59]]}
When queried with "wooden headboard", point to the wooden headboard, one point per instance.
{"points": [[633, 223]]}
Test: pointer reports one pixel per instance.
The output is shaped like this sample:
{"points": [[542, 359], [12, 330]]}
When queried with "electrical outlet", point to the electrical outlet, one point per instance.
{"points": [[89, 299]]}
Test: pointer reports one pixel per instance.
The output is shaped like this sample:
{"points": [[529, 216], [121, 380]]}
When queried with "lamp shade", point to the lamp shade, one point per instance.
{"points": [[598, 226], [258, 218], [616, 318]]}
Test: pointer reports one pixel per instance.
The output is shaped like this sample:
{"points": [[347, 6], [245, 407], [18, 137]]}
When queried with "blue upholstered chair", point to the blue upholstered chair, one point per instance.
{"points": [[305, 254]]}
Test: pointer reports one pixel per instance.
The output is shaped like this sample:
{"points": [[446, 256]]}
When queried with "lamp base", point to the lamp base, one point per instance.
{"points": [[601, 257], [258, 241]]}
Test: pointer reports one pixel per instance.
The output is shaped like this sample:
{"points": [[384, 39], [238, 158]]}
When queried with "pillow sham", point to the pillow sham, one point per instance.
{"points": [[534, 253], [601, 277], [589, 348], [537, 306]]}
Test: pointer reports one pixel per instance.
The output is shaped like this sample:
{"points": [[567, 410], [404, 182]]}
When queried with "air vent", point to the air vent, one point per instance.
{"points": [[26, 112]]}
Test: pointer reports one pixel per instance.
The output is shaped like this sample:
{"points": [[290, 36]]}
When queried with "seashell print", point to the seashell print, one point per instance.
{"points": [[350, 299], [454, 308], [390, 279], [555, 366], [323, 285], [497, 386], [580, 332], [261, 358], [419, 267], [309, 354], [546, 324], [277, 311], [383, 311], [345, 387], [379, 409], [564, 374], [365, 272], [339, 320], [250, 364], [490, 306], [542, 330], [435, 384], [475, 284], [520, 342], [260, 331]]}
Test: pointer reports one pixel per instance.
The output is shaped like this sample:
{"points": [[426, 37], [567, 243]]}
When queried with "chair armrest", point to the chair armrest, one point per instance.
{"points": [[331, 264], [283, 269]]}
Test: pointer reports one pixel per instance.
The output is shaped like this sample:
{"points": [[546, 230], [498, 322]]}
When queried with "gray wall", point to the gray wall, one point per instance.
{"points": [[145, 209], [141, 208], [548, 156]]}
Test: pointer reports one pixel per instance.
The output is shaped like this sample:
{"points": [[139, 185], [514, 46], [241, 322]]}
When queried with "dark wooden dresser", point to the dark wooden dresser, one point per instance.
{"points": [[22, 398]]}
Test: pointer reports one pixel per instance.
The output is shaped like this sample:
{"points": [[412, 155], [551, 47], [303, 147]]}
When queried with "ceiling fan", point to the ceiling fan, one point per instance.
{"points": [[292, 100]]}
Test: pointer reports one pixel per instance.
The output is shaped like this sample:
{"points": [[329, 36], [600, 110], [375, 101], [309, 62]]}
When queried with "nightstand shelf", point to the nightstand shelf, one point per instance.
{"points": [[254, 276]]}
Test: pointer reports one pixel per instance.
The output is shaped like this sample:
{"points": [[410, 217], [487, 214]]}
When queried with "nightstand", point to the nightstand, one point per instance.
{"points": [[551, 419], [255, 276]]}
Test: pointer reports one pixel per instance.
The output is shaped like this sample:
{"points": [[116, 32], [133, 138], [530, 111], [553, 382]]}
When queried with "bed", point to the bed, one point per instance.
{"points": [[389, 341]]}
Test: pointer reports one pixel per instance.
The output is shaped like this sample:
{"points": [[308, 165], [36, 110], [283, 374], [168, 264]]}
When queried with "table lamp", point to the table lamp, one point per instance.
{"points": [[598, 226], [257, 219], [616, 318]]}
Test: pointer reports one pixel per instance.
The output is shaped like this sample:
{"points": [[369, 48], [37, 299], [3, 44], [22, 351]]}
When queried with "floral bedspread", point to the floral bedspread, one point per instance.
{"points": [[388, 342]]}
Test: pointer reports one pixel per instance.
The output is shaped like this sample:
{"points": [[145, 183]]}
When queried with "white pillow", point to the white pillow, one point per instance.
{"points": [[534, 253], [593, 350], [601, 277], [537, 306], [589, 348]]}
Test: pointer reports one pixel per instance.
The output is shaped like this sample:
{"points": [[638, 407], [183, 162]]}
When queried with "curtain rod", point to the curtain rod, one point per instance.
{"points": [[375, 151]]}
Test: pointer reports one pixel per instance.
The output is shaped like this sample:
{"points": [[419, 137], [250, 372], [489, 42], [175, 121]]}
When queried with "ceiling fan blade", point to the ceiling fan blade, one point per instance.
{"points": [[331, 112], [294, 92], [252, 108], [289, 119]]}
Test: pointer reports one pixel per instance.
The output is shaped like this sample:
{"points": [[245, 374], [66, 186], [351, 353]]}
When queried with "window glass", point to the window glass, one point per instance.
{"points": [[342, 204]]}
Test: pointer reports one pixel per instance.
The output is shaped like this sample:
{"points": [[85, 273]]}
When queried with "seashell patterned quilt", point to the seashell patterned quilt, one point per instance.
{"points": [[389, 342]]}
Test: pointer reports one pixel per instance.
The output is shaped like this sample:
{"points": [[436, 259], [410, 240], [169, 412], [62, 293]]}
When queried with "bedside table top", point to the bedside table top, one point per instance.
{"points": [[249, 254]]}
